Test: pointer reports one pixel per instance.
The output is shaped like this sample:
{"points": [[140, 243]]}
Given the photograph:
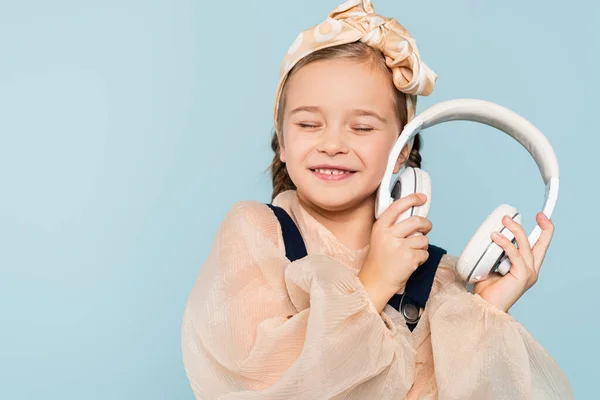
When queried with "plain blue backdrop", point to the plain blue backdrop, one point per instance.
{"points": [[128, 129]]}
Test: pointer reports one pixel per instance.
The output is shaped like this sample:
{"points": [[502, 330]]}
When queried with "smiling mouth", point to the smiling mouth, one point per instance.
{"points": [[332, 171], [332, 174]]}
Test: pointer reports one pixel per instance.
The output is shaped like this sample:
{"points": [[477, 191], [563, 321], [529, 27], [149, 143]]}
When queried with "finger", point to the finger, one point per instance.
{"points": [[391, 214], [418, 242], [421, 256], [541, 246], [514, 255], [521, 238], [410, 226]]}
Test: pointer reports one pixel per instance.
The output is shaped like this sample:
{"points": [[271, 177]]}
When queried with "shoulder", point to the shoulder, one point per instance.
{"points": [[249, 211], [251, 218], [448, 261], [446, 273]]}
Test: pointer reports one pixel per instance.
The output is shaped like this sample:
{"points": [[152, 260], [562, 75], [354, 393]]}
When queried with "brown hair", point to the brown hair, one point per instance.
{"points": [[354, 51]]}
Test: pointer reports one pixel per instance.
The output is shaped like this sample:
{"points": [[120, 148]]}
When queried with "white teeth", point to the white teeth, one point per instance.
{"points": [[331, 171]]}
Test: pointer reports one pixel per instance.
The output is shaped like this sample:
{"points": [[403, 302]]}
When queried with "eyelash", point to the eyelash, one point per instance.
{"points": [[301, 125]]}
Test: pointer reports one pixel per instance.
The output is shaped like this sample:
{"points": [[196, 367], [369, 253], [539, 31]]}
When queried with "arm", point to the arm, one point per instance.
{"points": [[257, 327], [482, 352]]}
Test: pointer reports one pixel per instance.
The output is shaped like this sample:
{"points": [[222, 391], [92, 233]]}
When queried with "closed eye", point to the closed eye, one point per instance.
{"points": [[363, 129], [308, 126]]}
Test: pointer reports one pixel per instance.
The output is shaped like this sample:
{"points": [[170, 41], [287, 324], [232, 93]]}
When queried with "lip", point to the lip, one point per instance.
{"points": [[331, 166], [331, 177]]}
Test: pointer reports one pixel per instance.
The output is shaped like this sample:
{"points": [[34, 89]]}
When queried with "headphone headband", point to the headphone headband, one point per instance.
{"points": [[495, 116]]}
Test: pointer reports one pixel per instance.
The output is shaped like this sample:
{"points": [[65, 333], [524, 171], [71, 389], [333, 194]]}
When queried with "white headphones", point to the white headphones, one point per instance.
{"points": [[481, 256]]}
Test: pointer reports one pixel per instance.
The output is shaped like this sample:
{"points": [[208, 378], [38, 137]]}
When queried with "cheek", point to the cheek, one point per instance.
{"points": [[296, 149], [375, 155]]}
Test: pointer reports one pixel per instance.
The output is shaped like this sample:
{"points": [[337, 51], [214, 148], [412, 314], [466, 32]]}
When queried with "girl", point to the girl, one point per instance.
{"points": [[259, 327]]}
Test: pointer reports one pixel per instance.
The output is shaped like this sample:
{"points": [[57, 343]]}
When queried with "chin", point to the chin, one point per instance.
{"points": [[334, 198]]}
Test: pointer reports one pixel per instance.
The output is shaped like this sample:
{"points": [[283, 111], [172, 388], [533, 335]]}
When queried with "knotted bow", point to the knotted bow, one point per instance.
{"points": [[355, 20]]}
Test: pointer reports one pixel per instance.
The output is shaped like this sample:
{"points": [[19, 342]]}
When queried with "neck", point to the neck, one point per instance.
{"points": [[351, 225]]}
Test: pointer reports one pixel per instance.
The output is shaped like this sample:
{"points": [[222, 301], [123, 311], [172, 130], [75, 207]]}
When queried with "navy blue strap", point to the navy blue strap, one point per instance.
{"points": [[294, 245], [419, 284]]}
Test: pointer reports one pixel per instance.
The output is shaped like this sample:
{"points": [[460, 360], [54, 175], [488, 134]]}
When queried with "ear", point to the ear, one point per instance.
{"points": [[281, 149], [402, 158]]}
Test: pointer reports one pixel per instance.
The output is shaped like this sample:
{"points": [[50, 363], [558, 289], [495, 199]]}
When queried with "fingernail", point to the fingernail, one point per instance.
{"points": [[422, 196], [495, 235]]}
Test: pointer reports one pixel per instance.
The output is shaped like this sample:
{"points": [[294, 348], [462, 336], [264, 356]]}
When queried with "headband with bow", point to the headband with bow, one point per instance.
{"points": [[355, 20]]}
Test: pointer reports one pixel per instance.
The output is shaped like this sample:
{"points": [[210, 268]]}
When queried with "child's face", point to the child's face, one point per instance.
{"points": [[339, 113]]}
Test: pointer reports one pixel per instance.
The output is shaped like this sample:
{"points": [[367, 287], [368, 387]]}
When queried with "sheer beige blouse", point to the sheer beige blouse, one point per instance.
{"points": [[259, 327]]}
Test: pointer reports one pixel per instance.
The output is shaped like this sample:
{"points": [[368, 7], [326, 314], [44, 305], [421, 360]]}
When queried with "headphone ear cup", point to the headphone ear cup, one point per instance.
{"points": [[413, 180], [423, 186], [481, 254]]}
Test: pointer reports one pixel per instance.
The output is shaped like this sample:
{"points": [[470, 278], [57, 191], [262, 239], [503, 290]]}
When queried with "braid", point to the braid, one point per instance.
{"points": [[414, 158], [279, 174]]}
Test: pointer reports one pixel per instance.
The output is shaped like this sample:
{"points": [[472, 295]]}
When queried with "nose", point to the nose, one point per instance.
{"points": [[333, 141]]}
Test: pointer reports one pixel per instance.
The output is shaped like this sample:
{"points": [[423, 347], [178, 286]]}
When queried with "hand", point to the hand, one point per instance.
{"points": [[504, 291], [393, 253]]}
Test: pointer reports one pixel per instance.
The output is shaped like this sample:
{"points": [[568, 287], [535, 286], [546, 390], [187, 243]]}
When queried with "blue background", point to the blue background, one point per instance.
{"points": [[128, 129]]}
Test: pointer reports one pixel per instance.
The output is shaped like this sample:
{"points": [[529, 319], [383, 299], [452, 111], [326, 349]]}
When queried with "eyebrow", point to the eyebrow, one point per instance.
{"points": [[305, 108], [369, 113], [357, 111]]}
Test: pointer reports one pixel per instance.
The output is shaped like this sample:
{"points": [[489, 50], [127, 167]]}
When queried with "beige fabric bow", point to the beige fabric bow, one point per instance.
{"points": [[356, 20]]}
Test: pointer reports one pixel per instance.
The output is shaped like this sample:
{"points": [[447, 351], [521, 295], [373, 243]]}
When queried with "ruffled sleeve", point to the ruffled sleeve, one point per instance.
{"points": [[257, 327], [481, 352]]}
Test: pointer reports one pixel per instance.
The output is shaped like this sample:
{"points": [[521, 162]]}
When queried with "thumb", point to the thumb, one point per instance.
{"points": [[391, 214]]}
